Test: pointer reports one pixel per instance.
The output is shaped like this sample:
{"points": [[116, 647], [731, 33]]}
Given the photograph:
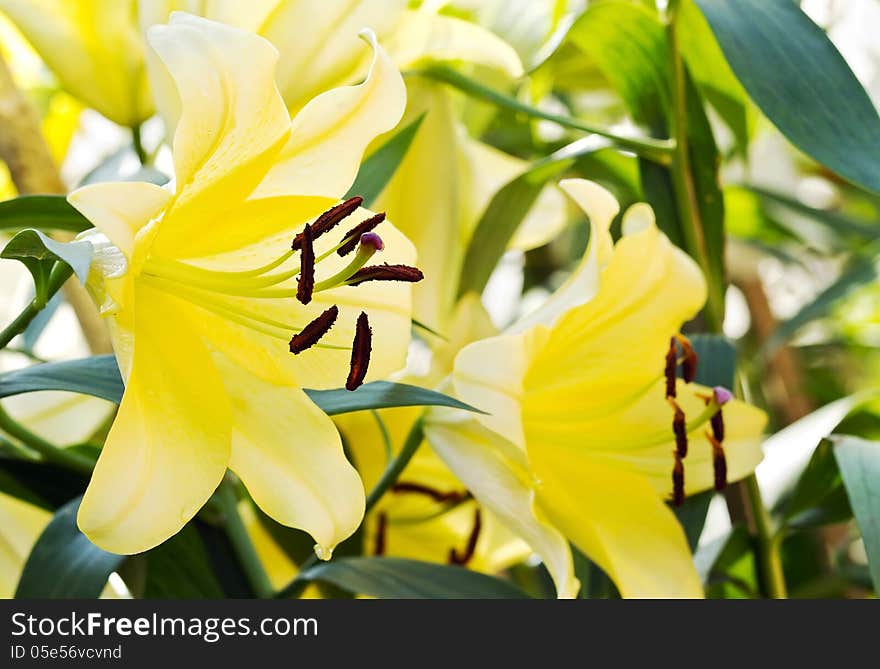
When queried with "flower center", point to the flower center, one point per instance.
{"points": [[681, 427], [220, 292]]}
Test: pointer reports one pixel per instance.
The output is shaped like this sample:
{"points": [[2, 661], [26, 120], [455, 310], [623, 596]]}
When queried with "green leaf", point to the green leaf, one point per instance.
{"points": [[818, 497], [44, 212], [716, 365], [42, 484], [381, 395], [39, 254], [861, 271], [377, 170], [180, 569], [64, 564], [396, 578], [97, 376], [692, 516], [859, 462], [800, 81]]}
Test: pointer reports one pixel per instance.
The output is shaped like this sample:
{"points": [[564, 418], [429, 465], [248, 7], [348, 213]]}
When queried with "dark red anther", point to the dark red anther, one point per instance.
{"points": [[385, 273], [719, 462], [689, 364], [313, 332], [463, 558], [360, 353], [671, 364], [381, 532], [436, 495], [678, 482], [679, 429], [306, 267], [717, 422], [328, 220], [353, 236]]}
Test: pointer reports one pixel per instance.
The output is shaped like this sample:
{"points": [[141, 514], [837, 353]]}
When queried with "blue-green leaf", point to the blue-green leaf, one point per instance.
{"points": [[859, 462], [44, 212], [800, 81], [64, 564], [39, 253], [377, 170], [396, 578], [97, 376], [382, 395]]}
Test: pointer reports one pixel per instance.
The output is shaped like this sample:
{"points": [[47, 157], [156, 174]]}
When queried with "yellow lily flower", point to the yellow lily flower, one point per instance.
{"points": [[583, 440], [95, 49], [201, 299], [444, 166]]}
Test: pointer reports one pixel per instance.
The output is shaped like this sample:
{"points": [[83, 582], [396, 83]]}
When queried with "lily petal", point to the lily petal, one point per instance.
{"points": [[474, 454], [617, 520], [169, 446], [329, 136], [289, 455], [120, 209], [425, 36], [601, 208], [21, 524], [231, 120]]}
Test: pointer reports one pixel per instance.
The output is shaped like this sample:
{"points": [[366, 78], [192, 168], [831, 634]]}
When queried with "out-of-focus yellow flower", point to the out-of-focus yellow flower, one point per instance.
{"points": [[444, 166], [581, 441], [95, 49], [203, 292], [20, 526]]}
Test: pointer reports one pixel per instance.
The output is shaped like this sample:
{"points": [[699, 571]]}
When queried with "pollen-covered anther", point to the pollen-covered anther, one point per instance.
{"points": [[678, 481], [463, 558], [381, 533], [690, 361], [360, 353], [306, 267], [386, 272], [312, 333], [719, 462], [354, 235], [679, 429], [451, 497], [329, 220], [670, 367]]}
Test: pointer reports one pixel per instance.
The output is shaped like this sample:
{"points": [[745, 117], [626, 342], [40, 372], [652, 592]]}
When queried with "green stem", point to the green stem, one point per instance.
{"points": [[657, 150], [683, 178], [767, 544], [61, 272], [138, 145], [397, 465], [242, 544], [52, 453]]}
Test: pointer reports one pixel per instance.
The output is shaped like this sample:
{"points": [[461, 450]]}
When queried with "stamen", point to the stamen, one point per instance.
{"points": [[360, 353], [719, 462], [368, 245], [351, 237], [436, 495], [386, 272], [678, 482], [463, 558], [328, 220], [306, 267], [689, 364], [679, 429], [313, 332], [717, 423], [381, 532], [669, 370]]}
